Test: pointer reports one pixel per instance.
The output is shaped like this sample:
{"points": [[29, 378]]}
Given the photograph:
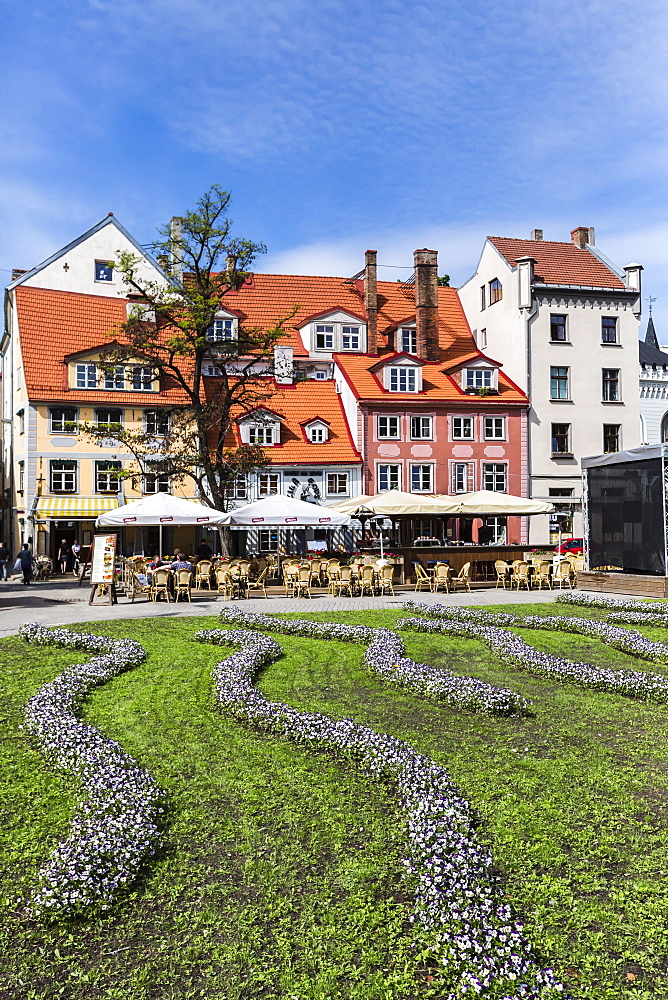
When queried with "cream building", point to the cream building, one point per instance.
{"points": [[563, 322], [653, 388]]}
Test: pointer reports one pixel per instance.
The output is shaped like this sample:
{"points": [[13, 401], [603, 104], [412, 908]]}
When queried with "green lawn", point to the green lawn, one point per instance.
{"points": [[281, 873]]}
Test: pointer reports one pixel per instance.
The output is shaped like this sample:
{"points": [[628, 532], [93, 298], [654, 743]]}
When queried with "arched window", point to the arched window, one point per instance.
{"points": [[664, 427]]}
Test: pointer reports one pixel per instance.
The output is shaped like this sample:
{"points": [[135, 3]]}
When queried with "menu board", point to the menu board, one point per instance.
{"points": [[104, 559]]}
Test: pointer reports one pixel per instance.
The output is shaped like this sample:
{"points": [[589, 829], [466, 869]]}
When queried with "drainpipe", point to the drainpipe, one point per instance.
{"points": [[529, 306]]}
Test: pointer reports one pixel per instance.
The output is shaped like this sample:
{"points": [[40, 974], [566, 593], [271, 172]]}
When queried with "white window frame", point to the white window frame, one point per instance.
{"points": [[108, 273], [422, 428], [317, 432], [408, 339], [459, 426], [114, 379], [337, 484], [142, 378], [237, 488], [423, 474], [53, 429], [152, 481], [480, 378], [387, 436], [156, 417], [462, 477], [71, 470], [86, 375], [351, 337], [339, 335], [388, 473], [224, 330], [490, 426], [261, 434], [268, 484], [111, 472], [107, 409], [406, 374], [490, 473]]}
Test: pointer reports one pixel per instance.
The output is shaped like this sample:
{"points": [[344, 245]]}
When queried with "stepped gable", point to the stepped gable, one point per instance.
{"points": [[559, 263]]}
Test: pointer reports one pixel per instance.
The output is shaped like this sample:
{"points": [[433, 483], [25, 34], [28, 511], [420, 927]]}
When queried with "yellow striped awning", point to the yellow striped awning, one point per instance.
{"points": [[71, 507]]}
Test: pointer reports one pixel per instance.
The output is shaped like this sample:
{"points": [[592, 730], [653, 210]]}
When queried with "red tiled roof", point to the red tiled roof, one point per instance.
{"points": [[296, 405], [559, 263]]}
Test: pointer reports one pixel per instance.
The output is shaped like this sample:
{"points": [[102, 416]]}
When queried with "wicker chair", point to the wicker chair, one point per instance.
{"points": [[521, 576], [345, 581], [386, 580], [422, 578], [160, 584], [367, 580], [463, 578], [260, 583], [441, 578], [184, 579], [290, 579], [203, 574], [303, 582], [224, 584], [502, 573], [542, 575], [563, 574]]}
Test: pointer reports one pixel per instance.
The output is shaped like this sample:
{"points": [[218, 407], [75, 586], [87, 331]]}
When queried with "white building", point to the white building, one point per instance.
{"points": [[653, 389], [563, 322]]}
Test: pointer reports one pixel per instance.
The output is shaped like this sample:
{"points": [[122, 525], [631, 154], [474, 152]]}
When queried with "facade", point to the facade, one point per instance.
{"points": [[653, 388], [564, 324]]}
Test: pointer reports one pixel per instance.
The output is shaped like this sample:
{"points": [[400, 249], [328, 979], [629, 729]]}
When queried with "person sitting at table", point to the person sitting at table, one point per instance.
{"points": [[204, 551], [154, 563], [182, 562]]}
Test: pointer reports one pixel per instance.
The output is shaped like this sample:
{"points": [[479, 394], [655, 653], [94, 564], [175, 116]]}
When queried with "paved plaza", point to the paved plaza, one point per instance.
{"points": [[63, 602]]}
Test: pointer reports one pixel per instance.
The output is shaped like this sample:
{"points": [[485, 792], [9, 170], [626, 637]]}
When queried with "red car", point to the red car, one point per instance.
{"points": [[572, 547]]}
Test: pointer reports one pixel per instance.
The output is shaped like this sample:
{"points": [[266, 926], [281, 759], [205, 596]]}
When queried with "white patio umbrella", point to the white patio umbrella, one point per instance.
{"points": [[490, 502], [159, 509], [392, 502], [281, 511]]}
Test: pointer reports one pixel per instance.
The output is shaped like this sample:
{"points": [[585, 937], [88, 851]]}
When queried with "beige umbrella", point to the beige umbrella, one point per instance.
{"points": [[490, 502], [394, 502]]}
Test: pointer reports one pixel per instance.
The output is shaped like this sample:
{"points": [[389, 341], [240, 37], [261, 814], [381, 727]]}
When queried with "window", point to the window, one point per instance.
{"points": [[337, 483], [63, 420], [157, 422], [108, 418], [403, 379], [495, 291], [479, 378], [388, 428], [211, 369], [22, 477], [317, 433], [494, 476], [557, 328], [482, 339], [221, 331], [421, 478], [268, 484], [560, 491], [421, 428], [609, 329], [106, 477], [262, 434], [320, 374], [237, 488], [611, 437], [462, 428], [462, 474], [483, 297], [350, 338], [268, 540], [114, 378], [559, 383], [22, 421], [389, 477], [155, 481], [495, 530], [611, 393], [408, 340], [142, 378], [86, 376], [104, 271], [63, 475], [324, 337], [561, 439], [495, 428]]}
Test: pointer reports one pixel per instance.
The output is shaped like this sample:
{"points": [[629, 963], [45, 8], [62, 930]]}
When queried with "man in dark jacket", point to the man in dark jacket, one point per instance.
{"points": [[27, 560], [5, 561]]}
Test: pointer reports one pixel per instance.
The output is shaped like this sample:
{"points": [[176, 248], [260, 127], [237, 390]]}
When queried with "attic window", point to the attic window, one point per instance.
{"points": [[104, 271], [339, 337], [262, 429], [480, 378], [317, 432], [223, 330], [403, 378], [261, 434], [408, 340]]}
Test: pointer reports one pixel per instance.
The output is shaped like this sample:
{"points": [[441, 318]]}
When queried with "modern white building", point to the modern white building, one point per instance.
{"points": [[563, 322], [653, 388]]}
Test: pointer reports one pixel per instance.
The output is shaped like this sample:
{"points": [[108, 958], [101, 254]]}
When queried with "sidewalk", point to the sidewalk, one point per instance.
{"points": [[63, 602]]}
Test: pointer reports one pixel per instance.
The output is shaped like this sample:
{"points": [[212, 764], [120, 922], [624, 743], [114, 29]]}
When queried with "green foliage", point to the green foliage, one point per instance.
{"points": [[282, 876]]}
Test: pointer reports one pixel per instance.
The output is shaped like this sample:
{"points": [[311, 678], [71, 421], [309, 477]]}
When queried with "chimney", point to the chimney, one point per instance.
{"points": [[17, 272], [537, 235], [371, 300], [582, 235], [283, 365], [426, 303]]}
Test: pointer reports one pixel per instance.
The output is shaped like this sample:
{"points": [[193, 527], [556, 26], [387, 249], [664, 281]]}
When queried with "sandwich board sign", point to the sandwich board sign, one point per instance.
{"points": [[103, 566]]}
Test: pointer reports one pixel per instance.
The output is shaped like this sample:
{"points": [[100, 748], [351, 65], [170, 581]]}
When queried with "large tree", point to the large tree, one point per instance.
{"points": [[169, 331]]}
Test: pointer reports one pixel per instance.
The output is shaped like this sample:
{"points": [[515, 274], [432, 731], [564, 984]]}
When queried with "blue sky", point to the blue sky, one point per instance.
{"points": [[340, 125]]}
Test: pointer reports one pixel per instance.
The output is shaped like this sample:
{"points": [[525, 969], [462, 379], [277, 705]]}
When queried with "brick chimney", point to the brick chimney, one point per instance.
{"points": [[17, 272], [582, 235], [371, 300], [536, 235], [426, 303]]}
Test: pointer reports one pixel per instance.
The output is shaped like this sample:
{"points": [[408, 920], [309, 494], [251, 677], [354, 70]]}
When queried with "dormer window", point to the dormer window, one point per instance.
{"points": [[261, 428], [317, 431], [480, 378], [143, 377], [114, 378], [261, 434], [350, 338], [408, 340], [223, 330], [86, 376], [403, 379], [336, 332], [324, 337]]}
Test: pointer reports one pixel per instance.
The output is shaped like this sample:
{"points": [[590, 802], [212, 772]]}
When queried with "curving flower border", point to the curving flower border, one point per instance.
{"points": [[114, 829], [586, 600], [512, 649], [459, 903], [385, 657]]}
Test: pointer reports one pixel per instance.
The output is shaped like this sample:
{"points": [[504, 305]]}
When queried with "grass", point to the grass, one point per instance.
{"points": [[281, 875]]}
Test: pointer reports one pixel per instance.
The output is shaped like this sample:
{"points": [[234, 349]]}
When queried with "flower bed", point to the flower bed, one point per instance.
{"points": [[385, 656], [611, 603], [459, 903], [512, 649], [114, 829]]}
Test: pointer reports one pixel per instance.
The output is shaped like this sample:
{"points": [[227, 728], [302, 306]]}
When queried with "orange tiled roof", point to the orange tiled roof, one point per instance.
{"points": [[297, 404], [54, 324], [559, 263]]}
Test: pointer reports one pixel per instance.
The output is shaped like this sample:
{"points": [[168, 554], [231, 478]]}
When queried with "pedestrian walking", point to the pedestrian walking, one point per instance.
{"points": [[76, 549], [27, 560], [5, 561], [63, 556]]}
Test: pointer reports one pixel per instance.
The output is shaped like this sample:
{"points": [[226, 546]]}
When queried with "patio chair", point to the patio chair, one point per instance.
{"points": [[260, 582], [203, 574], [224, 584], [422, 578], [345, 581], [463, 578], [367, 580], [542, 575], [160, 584], [138, 584], [290, 577], [441, 578], [315, 571], [386, 580], [521, 576], [563, 574], [184, 580], [303, 582], [333, 576], [502, 573]]}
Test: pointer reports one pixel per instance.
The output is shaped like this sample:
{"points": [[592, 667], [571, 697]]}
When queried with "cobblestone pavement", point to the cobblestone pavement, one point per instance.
{"points": [[62, 602]]}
